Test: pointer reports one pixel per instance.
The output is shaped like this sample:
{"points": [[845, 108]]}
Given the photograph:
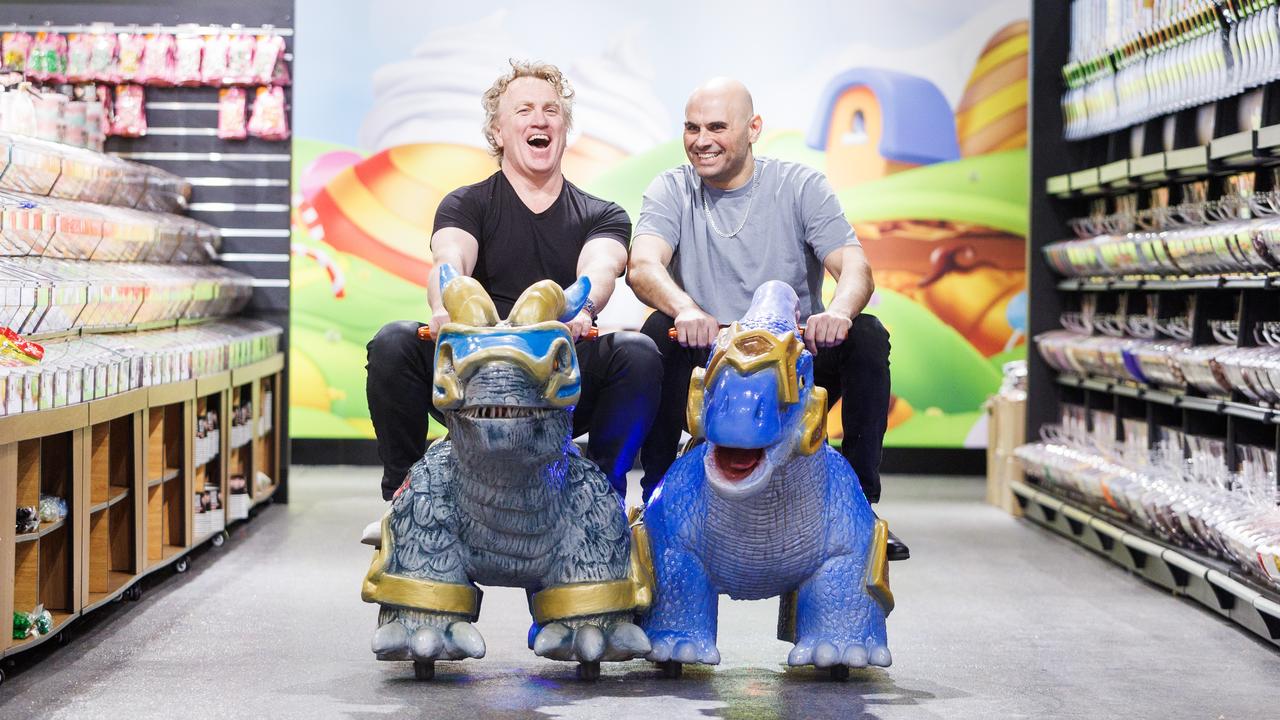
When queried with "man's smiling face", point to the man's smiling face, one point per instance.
{"points": [[718, 132], [530, 129]]}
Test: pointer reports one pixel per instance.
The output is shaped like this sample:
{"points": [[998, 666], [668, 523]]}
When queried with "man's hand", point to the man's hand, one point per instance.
{"points": [[438, 319], [695, 328], [579, 325], [826, 329]]}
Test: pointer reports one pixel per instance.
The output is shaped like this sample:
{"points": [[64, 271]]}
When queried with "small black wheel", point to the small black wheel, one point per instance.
{"points": [[2, 676], [589, 671], [63, 638], [220, 539], [671, 669], [424, 669], [840, 673], [181, 565], [134, 593]]}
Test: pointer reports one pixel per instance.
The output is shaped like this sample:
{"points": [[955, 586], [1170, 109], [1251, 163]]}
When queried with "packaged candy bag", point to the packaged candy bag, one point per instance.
{"points": [[130, 116], [213, 64], [23, 625], [188, 50], [102, 61], [79, 57], [231, 120], [157, 60], [48, 59], [17, 46], [130, 49], [28, 520], [267, 52], [52, 508], [269, 121], [239, 60]]}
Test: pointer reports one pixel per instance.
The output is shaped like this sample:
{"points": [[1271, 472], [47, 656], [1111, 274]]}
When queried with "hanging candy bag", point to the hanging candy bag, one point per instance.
{"points": [[269, 120], [186, 62], [79, 56], [130, 117], [267, 51], [213, 65], [231, 104], [157, 60], [131, 47], [239, 61], [102, 58], [17, 46]]}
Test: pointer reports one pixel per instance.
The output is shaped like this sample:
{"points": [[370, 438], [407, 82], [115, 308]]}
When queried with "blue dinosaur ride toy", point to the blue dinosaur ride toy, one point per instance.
{"points": [[765, 508], [506, 499]]}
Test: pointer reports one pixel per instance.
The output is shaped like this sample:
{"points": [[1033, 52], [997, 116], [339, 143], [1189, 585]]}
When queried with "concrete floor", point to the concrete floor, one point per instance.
{"points": [[995, 619]]}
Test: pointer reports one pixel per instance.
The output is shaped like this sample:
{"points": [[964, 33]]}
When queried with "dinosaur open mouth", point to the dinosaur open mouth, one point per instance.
{"points": [[503, 412], [737, 463]]}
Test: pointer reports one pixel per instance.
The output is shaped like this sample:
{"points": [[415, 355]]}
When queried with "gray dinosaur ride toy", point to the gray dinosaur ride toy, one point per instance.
{"points": [[506, 499], [766, 508]]}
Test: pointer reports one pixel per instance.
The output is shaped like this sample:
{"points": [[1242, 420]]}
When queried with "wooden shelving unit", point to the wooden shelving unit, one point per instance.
{"points": [[125, 466]]}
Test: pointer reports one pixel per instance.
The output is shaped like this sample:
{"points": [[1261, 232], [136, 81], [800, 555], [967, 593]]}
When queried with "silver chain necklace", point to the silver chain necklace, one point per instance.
{"points": [[702, 189]]}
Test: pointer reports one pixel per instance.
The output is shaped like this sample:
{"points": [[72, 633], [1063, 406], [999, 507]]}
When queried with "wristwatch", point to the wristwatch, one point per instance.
{"points": [[590, 307]]}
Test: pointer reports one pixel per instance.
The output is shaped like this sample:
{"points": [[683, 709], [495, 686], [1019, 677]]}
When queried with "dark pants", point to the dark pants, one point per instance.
{"points": [[621, 374], [856, 370]]}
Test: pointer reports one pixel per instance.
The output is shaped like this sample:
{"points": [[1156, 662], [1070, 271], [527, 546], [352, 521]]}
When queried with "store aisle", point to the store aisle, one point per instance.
{"points": [[995, 618]]}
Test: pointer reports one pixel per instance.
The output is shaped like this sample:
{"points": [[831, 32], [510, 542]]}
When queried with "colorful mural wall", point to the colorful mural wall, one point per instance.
{"points": [[929, 162]]}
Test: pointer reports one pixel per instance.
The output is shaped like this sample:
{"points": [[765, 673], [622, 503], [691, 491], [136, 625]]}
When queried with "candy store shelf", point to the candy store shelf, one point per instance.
{"points": [[1217, 586], [1206, 282], [1172, 398], [1241, 150]]}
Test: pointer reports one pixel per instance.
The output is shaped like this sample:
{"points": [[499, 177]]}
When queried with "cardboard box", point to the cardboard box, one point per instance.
{"points": [[1006, 428]]}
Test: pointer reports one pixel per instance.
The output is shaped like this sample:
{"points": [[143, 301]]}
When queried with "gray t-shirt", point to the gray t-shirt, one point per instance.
{"points": [[793, 223]]}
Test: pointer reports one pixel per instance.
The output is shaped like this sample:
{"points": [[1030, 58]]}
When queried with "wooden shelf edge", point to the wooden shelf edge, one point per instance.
{"points": [[169, 474], [42, 423], [170, 393], [60, 620], [210, 384], [119, 405], [257, 370]]}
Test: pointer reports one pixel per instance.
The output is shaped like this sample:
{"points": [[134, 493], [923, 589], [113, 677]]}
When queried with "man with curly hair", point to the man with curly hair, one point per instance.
{"points": [[524, 223]]}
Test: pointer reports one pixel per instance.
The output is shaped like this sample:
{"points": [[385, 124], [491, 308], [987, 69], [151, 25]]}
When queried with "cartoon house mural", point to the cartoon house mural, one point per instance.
{"points": [[873, 122]]}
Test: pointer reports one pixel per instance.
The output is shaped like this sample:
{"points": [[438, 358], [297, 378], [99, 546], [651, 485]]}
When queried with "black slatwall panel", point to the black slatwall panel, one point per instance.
{"points": [[255, 239]]}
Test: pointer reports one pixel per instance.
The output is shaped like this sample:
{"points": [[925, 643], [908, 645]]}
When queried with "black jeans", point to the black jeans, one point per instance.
{"points": [[856, 370], [621, 374]]}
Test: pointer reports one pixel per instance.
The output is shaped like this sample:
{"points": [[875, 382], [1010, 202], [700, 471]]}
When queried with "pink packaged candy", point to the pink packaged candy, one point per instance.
{"points": [[188, 50], [79, 57], [157, 60], [102, 59], [17, 46], [231, 122], [130, 115], [269, 120], [130, 48], [239, 60], [267, 53], [47, 61], [213, 64]]}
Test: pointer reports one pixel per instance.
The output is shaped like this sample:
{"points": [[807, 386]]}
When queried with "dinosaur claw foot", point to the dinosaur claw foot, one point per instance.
{"points": [[391, 641], [590, 643], [827, 653], [682, 648], [463, 640]]}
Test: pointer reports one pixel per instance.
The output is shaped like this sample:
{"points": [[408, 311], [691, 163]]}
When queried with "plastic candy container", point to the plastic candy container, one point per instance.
{"points": [[231, 123], [17, 45], [188, 50], [157, 60], [130, 118], [130, 50], [269, 120]]}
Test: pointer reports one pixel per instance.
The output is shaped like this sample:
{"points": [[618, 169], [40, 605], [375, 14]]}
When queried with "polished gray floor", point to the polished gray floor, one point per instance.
{"points": [[995, 619]]}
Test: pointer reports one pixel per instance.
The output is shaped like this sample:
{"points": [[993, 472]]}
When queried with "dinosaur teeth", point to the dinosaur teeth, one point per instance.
{"points": [[503, 412]]}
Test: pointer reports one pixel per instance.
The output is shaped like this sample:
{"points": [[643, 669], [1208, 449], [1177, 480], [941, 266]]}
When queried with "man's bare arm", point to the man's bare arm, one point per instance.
{"points": [[457, 248], [648, 276], [854, 285], [602, 260]]}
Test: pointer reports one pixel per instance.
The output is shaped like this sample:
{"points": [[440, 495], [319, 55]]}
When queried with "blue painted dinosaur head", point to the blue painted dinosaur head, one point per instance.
{"points": [[497, 381], [755, 401]]}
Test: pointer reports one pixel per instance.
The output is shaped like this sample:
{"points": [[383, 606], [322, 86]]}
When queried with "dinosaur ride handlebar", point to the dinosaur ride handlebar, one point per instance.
{"points": [[673, 333], [593, 332]]}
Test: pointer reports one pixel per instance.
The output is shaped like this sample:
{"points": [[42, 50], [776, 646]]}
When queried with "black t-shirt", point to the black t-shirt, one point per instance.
{"points": [[519, 247]]}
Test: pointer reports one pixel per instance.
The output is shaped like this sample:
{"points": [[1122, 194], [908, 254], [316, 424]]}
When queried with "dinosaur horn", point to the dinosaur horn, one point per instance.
{"points": [[575, 298], [464, 298], [541, 302]]}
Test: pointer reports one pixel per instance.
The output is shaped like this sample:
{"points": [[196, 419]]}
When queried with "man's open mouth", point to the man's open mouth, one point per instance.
{"points": [[503, 412], [736, 464], [539, 141]]}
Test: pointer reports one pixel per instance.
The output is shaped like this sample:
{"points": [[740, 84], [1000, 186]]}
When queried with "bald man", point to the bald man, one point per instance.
{"points": [[713, 231]]}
